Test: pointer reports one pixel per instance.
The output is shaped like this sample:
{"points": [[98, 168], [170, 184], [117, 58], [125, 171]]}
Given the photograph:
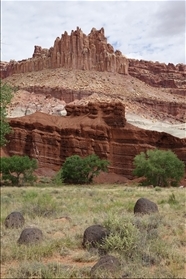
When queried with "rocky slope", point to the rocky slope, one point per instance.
{"points": [[47, 89], [160, 75]]}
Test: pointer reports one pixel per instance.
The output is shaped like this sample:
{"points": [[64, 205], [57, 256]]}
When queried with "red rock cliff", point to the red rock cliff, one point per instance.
{"points": [[160, 75], [74, 51], [98, 128]]}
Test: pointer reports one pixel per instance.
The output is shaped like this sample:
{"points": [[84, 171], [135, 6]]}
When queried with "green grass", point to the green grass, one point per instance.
{"points": [[151, 246]]}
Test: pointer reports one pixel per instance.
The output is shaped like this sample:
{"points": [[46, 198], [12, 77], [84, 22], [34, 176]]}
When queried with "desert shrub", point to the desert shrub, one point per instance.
{"points": [[171, 200], [159, 167], [18, 169], [77, 170], [123, 235]]}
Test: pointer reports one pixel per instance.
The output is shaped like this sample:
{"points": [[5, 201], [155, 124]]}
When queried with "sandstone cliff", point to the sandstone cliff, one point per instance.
{"points": [[74, 51], [92, 52], [99, 128], [160, 75]]}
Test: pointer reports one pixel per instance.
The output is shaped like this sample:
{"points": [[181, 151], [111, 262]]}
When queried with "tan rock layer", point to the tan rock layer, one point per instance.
{"points": [[98, 128]]}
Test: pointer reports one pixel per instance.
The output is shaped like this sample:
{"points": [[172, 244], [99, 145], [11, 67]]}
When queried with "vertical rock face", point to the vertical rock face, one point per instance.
{"points": [[98, 128], [74, 51]]}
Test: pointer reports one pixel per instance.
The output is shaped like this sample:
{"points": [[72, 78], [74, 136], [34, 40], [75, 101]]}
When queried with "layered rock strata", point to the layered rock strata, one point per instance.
{"points": [[74, 51], [160, 75], [99, 128]]}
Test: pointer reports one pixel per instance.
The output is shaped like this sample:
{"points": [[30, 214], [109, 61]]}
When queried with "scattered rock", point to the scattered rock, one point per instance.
{"points": [[94, 235], [30, 236], [14, 220], [106, 265], [145, 206]]}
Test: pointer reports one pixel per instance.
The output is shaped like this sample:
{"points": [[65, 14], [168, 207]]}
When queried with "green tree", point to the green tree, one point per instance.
{"points": [[77, 170], [159, 167], [6, 95], [18, 169]]}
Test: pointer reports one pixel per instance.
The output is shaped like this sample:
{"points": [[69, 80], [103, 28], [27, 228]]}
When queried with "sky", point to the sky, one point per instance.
{"points": [[148, 30]]}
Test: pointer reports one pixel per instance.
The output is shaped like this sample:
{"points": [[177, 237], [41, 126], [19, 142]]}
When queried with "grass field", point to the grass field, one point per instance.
{"points": [[151, 246]]}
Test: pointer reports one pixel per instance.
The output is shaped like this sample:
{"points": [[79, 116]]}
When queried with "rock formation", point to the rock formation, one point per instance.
{"points": [[99, 128], [74, 51], [94, 127], [92, 52], [160, 75]]}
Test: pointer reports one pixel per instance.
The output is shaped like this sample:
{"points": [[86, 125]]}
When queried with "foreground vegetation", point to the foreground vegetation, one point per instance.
{"points": [[148, 247]]}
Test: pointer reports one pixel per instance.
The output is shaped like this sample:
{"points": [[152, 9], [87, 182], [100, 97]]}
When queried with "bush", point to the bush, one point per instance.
{"points": [[77, 170], [57, 178], [18, 169], [6, 96], [159, 167], [123, 236]]}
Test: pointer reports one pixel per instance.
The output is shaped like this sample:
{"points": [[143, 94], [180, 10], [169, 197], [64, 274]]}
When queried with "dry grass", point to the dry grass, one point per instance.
{"points": [[153, 248]]}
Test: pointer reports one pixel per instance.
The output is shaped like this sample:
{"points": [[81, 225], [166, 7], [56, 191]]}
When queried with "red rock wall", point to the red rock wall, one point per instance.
{"points": [[74, 51], [160, 75], [96, 128]]}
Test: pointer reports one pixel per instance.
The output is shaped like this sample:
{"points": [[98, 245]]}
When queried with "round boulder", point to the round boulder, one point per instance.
{"points": [[30, 236], [145, 206], [94, 235], [14, 220], [106, 266]]}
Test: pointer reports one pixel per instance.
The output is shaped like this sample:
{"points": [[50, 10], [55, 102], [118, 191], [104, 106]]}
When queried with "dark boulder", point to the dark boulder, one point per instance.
{"points": [[14, 220], [30, 236], [94, 235], [145, 206]]}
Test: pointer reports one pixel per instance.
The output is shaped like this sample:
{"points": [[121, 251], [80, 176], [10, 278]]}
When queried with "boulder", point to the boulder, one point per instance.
{"points": [[30, 236], [106, 266], [94, 235], [14, 220], [145, 206]]}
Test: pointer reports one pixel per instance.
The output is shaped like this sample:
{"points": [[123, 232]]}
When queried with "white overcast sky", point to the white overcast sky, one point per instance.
{"points": [[149, 30]]}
